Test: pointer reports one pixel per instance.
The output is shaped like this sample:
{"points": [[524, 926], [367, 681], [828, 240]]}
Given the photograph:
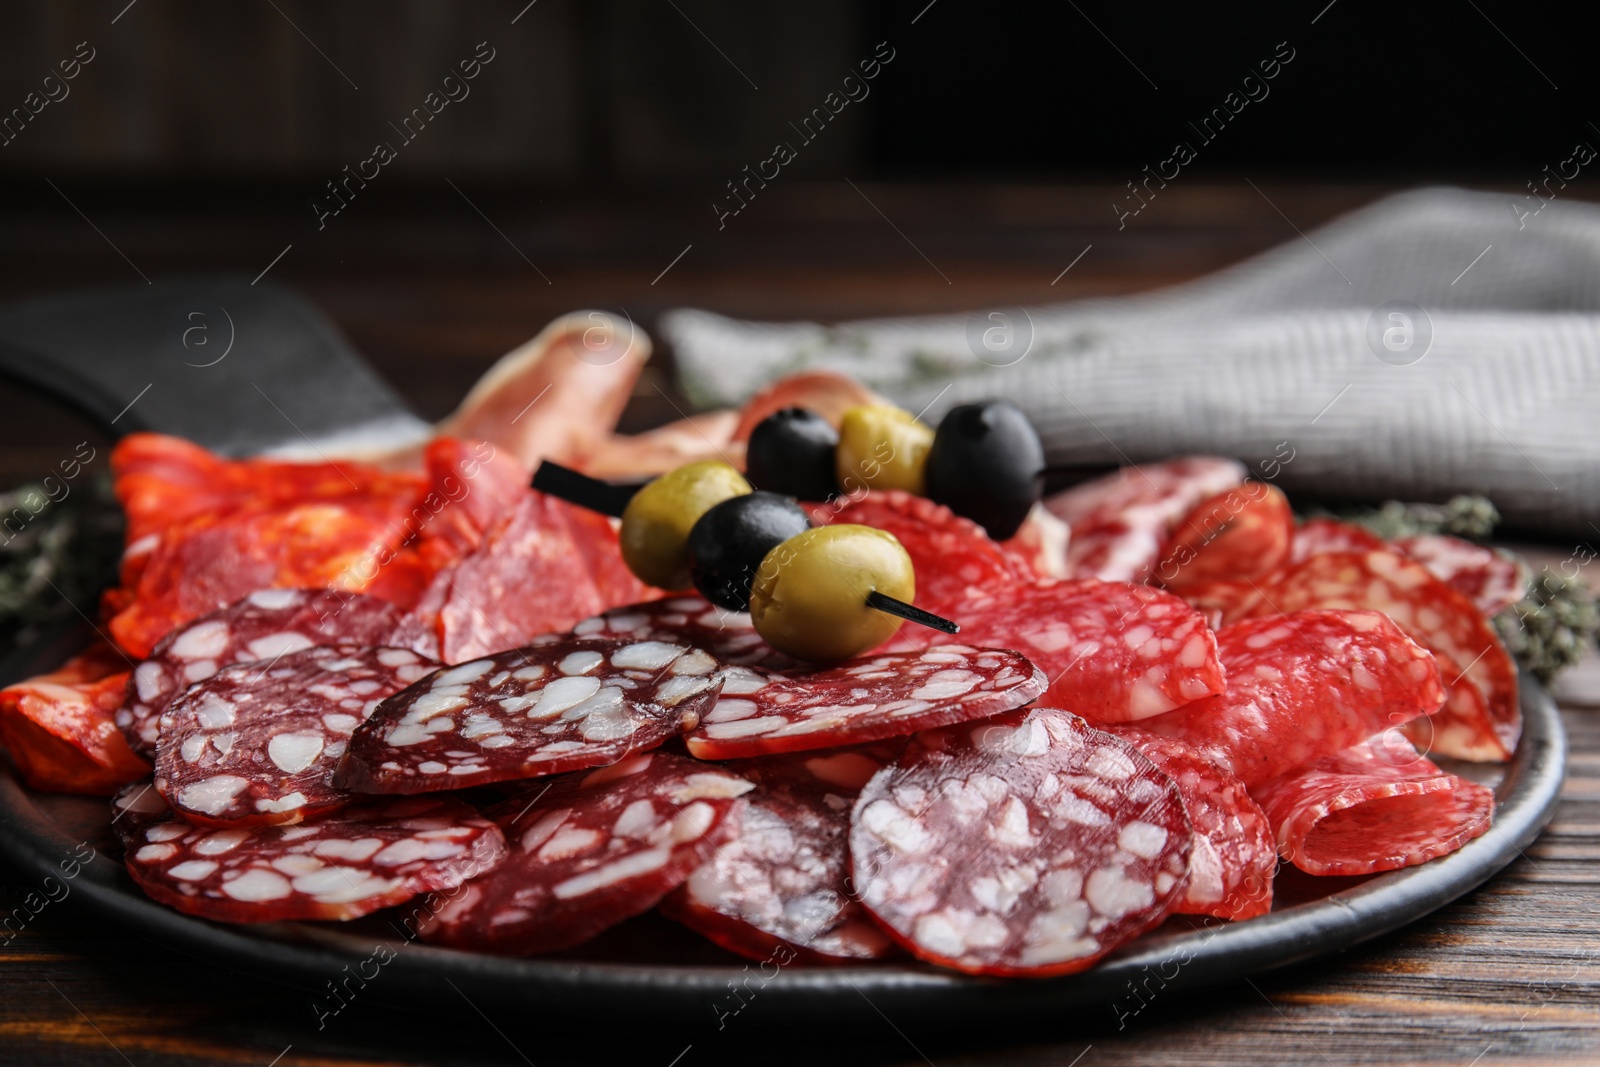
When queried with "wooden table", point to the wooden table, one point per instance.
{"points": [[1510, 972]]}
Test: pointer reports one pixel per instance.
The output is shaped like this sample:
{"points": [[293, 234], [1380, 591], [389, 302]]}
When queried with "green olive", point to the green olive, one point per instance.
{"points": [[881, 447], [809, 598], [657, 521]]}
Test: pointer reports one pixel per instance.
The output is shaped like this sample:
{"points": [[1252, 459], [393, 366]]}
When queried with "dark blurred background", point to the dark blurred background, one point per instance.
{"points": [[992, 146]]}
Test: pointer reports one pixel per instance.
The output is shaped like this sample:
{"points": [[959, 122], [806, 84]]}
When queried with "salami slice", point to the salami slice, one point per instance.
{"points": [[1233, 855], [1491, 580], [1234, 536], [782, 880], [257, 743], [1331, 535], [1483, 724], [1374, 807], [1040, 545], [1302, 686], [1032, 844], [886, 695], [1120, 521], [562, 703], [952, 556], [348, 864], [263, 626], [1223, 602], [59, 731], [1113, 651], [590, 851], [694, 622]]}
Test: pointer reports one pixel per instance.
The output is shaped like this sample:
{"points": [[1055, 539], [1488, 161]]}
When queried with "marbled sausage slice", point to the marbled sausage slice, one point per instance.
{"points": [[878, 696], [263, 626], [1032, 844], [561, 703], [590, 850], [257, 743], [353, 862]]}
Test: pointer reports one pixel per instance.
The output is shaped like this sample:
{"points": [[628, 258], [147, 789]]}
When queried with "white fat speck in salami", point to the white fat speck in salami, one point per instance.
{"points": [[258, 742], [1006, 848], [368, 856], [262, 626], [886, 695], [590, 851], [565, 704], [691, 621]]}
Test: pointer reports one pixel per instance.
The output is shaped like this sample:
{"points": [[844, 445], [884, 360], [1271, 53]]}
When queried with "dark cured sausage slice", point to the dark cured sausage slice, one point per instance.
{"points": [[264, 625], [590, 851], [1303, 686], [562, 703], [887, 695], [351, 863], [257, 743], [1113, 651], [1374, 807], [693, 621], [1031, 844], [1482, 719], [1233, 855], [782, 880]]}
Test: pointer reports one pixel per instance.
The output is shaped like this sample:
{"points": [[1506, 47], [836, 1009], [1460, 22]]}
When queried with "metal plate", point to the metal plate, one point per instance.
{"points": [[665, 973]]}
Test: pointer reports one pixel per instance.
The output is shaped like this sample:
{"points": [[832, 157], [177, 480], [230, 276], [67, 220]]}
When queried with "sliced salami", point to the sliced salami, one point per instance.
{"points": [[1039, 547], [1223, 602], [590, 851], [887, 695], [262, 626], [1113, 651], [1233, 856], [694, 622], [1120, 521], [1302, 686], [1375, 807], [1331, 535], [1491, 580], [1481, 725], [783, 879], [257, 743], [562, 703], [1234, 536], [351, 863], [1031, 844]]}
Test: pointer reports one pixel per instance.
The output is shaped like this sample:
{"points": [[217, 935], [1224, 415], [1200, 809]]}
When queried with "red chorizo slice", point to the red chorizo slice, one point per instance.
{"points": [[257, 743], [589, 851], [1031, 844], [1375, 807], [562, 703], [890, 694], [782, 880], [262, 626], [1302, 686], [348, 864], [1236, 535]]}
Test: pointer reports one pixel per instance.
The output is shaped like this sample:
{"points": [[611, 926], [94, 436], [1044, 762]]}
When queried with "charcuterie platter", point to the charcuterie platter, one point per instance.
{"points": [[811, 695]]}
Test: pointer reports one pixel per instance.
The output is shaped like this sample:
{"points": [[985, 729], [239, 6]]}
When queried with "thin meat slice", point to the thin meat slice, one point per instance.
{"points": [[561, 703], [59, 728], [1119, 522], [1040, 544], [886, 695], [1031, 844], [1375, 807], [348, 864], [1113, 651], [1233, 856], [1331, 535], [824, 392], [1492, 580], [257, 743], [1233, 536], [1302, 686], [590, 851], [1482, 719], [692, 621], [264, 625], [1224, 602], [783, 879]]}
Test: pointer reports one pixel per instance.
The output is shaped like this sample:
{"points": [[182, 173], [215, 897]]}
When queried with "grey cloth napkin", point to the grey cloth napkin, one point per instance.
{"points": [[1434, 343]]}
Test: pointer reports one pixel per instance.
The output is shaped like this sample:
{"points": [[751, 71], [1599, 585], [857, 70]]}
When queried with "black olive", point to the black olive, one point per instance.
{"points": [[728, 543], [792, 452], [986, 464]]}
